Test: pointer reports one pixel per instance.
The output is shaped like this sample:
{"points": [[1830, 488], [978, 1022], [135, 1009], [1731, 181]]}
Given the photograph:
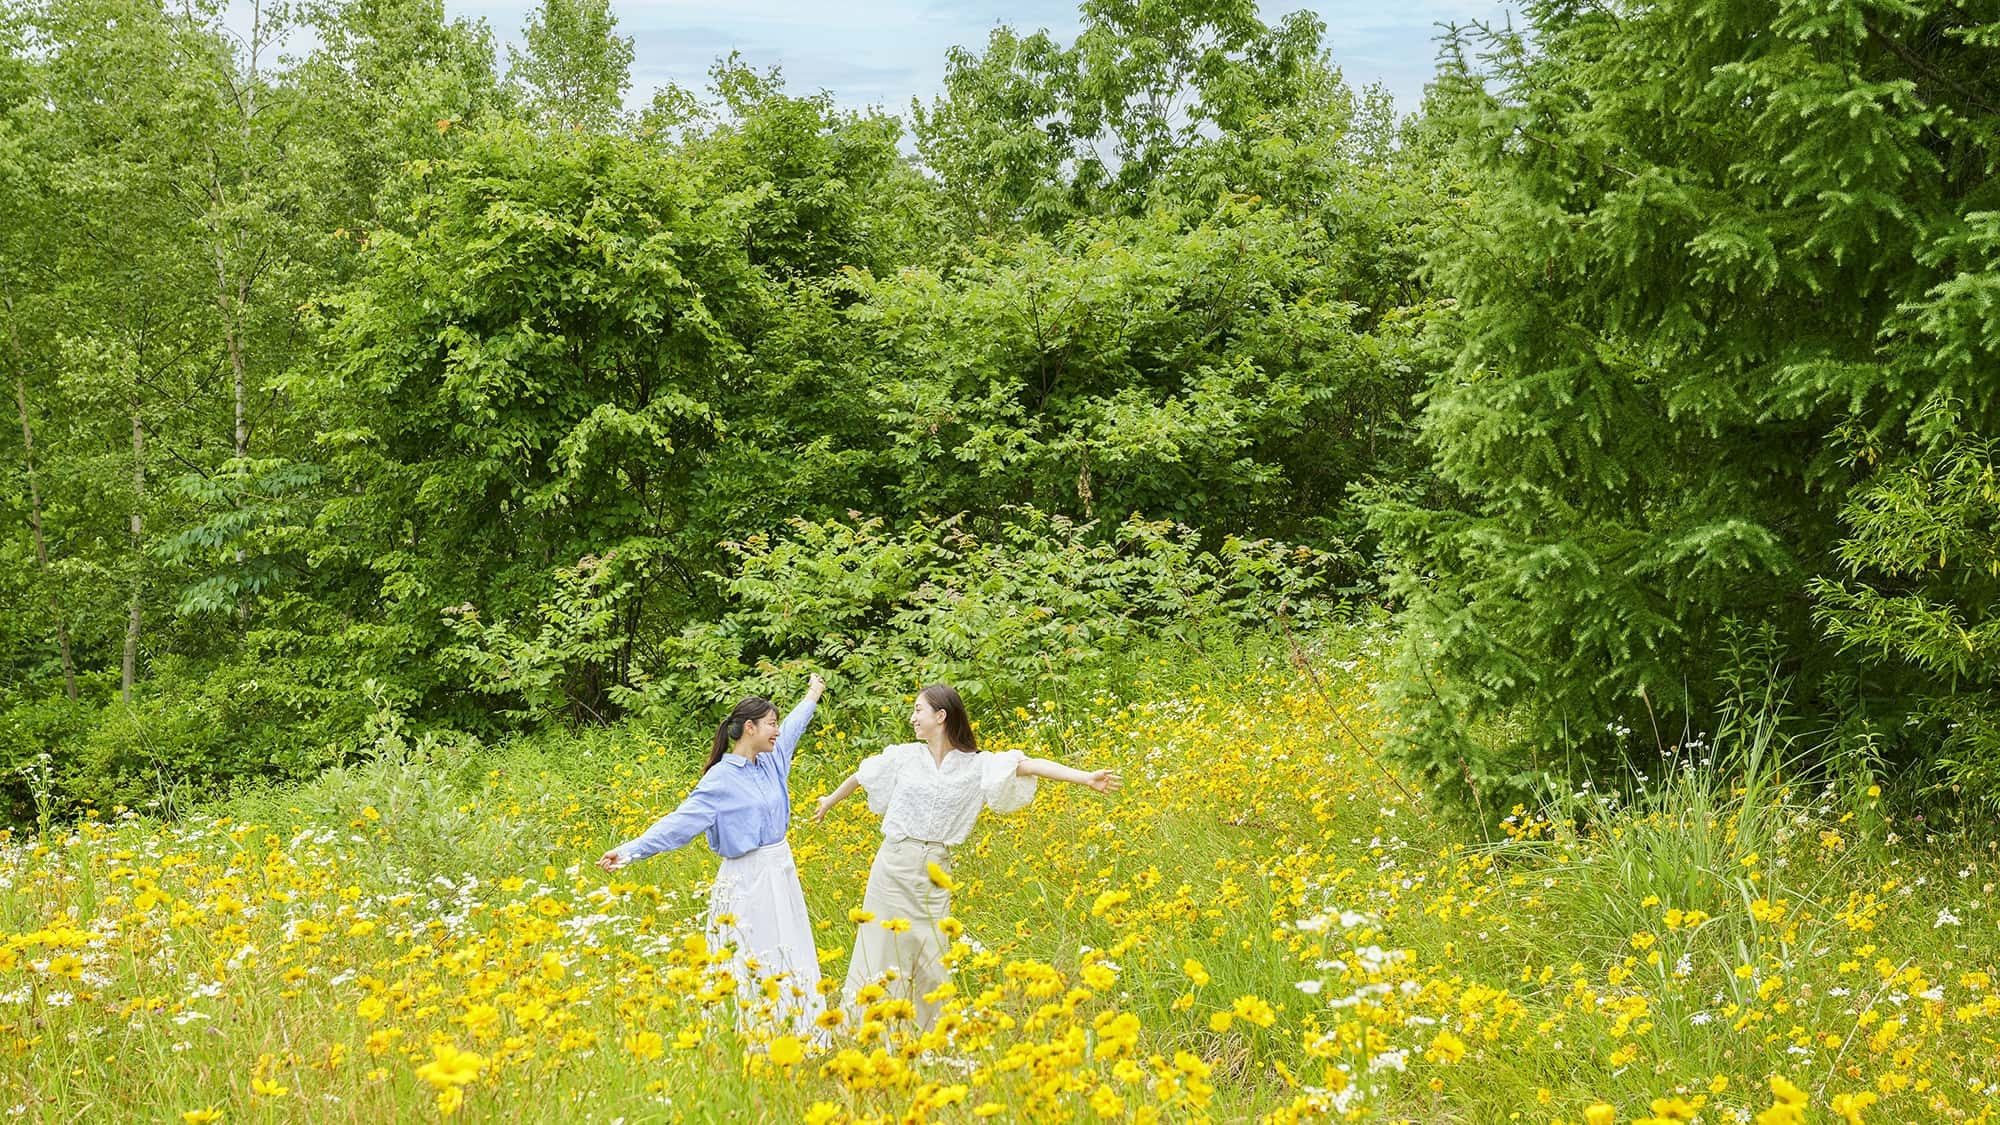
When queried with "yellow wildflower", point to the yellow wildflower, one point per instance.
{"points": [[1848, 1107], [645, 1045], [450, 1066]]}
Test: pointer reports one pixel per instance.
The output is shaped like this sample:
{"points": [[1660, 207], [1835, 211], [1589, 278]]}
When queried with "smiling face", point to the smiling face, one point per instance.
{"points": [[926, 720], [939, 717], [759, 735]]}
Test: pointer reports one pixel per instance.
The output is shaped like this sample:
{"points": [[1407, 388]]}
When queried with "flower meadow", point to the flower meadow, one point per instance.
{"points": [[1268, 923]]}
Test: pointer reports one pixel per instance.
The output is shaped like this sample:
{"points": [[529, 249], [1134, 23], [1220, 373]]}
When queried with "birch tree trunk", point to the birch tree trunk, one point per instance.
{"points": [[232, 314], [35, 505], [130, 667]]}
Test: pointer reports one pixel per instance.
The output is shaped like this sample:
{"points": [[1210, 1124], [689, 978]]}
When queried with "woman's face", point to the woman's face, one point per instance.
{"points": [[925, 719], [760, 735]]}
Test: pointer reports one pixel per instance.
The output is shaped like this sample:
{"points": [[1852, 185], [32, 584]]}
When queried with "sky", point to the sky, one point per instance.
{"points": [[884, 52]]}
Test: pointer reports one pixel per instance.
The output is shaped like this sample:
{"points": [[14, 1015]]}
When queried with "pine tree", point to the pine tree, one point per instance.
{"points": [[1720, 249]]}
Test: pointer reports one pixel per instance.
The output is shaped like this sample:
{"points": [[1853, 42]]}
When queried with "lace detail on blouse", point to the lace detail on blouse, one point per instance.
{"points": [[918, 799]]}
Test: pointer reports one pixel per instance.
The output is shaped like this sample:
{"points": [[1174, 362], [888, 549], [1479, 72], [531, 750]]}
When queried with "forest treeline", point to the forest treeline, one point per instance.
{"points": [[361, 371]]}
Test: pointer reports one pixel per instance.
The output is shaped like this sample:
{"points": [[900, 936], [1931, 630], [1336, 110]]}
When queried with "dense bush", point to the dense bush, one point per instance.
{"points": [[1033, 608]]}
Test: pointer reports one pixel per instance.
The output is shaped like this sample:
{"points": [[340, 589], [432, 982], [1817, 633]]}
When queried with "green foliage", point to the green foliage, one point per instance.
{"points": [[1211, 374], [339, 359], [576, 68], [1695, 824], [1037, 134], [1038, 607], [530, 375], [407, 788], [1922, 594], [32, 731], [577, 634], [182, 196], [199, 727], [1709, 241], [827, 189], [249, 547]]}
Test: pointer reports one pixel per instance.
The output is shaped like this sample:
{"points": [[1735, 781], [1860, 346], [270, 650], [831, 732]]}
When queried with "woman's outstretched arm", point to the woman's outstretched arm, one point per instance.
{"points": [[693, 817], [838, 795], [1104, 781]]}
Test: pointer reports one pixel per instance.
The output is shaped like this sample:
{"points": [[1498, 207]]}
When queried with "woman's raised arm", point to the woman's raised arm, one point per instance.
{"points": [[794, 726]]}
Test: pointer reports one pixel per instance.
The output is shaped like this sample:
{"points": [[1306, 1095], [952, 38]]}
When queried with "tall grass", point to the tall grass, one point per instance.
{"points": [[1263, 926]]}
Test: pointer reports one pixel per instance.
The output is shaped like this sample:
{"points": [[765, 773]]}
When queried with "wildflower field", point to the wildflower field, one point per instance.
{"points": [[1266, 924]]}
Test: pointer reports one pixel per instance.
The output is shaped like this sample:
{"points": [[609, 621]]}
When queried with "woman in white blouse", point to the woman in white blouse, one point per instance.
{"points": [[929, 795]]}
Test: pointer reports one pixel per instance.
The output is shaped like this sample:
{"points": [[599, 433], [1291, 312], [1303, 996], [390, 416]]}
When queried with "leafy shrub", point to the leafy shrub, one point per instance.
{"points": [[1921, 596], [576, 634], [279, 708], [402, 788], [1038, 608]]}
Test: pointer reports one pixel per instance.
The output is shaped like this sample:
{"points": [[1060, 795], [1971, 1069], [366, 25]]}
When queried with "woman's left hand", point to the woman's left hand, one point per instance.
{"points": [[611, 860], [1105, 781]]}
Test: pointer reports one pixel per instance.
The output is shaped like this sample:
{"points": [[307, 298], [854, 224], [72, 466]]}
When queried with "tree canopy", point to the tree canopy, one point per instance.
{"points": [[355, 372], [1721, 381]]}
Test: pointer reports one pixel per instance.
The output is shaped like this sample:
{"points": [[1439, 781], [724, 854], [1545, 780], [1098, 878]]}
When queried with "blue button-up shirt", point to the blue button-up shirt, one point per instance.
{"points": [[741, 805]]}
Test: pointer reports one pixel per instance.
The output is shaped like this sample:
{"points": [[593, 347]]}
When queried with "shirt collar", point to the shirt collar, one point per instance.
{"points": [[735, 759]]}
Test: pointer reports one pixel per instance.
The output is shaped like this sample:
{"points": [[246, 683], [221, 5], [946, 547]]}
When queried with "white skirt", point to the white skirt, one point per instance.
{"points": [[758, 911]]}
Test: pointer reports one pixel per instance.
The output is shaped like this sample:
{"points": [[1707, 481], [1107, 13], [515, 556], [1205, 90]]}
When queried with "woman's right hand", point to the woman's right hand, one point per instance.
{"points": [[611, 860], [819, 810]]}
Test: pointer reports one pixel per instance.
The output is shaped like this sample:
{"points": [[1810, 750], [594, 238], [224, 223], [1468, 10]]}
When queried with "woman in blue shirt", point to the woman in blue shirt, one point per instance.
{"points": [[742, 805]]}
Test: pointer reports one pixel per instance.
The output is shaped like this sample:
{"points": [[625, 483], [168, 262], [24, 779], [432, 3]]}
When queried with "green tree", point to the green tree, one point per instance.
{"points": [[530, 376], [1212, 375], [391, 81], [176, 196], [827, 199], [1034, 133], [830, 190], [303, 185], [34, 587], [1709, 243], [576, 68]]}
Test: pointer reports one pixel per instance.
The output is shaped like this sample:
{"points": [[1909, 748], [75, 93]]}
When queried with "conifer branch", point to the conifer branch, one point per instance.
{"points": [[1928, 71]]}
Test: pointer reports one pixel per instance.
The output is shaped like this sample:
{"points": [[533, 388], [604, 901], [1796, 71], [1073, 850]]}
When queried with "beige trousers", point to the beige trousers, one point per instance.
{"points": [[908, 964]]}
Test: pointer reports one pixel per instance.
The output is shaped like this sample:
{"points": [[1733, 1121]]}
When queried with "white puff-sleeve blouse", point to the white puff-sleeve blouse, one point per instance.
{"points": [[921, 799]]}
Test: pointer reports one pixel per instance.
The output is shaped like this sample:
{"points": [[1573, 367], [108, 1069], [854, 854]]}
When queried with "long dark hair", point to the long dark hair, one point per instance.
{"points": [[742, 715], [957, 724]]}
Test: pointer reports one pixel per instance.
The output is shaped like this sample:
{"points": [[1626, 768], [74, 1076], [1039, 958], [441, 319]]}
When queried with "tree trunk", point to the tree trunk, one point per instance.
{"points": [[130, 668], [35, 506], [233, 320], [231, 295], [235, 342]]}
